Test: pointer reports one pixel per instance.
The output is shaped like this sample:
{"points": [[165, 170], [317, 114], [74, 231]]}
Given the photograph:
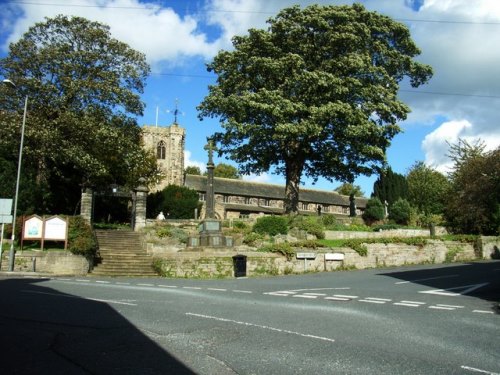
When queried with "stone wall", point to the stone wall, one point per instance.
{"points": [[50, 262], [490, 247], [405, 233], [209, 264]]}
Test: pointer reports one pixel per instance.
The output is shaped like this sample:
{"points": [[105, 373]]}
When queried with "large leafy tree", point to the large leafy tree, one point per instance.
{"points": [[176, 202], [314, 94], [84, 94], [473, 205], [390, 186], [427, 189]]}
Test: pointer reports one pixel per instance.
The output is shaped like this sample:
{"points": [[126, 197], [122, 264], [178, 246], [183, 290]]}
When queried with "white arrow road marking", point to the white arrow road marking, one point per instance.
{"points": [[464, 289]]}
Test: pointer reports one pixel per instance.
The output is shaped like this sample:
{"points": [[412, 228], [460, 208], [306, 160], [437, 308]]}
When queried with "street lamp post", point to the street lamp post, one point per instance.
{"points": [[13, 236]]}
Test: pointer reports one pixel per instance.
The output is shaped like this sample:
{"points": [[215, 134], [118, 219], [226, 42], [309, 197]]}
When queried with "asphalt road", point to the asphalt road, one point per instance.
{"points": [[412, 320]]}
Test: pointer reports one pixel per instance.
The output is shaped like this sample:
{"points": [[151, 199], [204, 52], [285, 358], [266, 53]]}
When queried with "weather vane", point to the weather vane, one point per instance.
{"points": [[175, 111]]}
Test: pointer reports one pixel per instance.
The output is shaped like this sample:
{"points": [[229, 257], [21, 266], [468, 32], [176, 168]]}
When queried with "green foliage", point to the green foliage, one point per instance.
{"points": [[193, 170], [427, 189], [282, 248], [84, 92], [374, 210], [252, 238], [81, 240], [473, 205], [163, 232], [328, 221], [176, 202], [226, 171], [314, 94], [271, 225], [308, 244], [400, 212], [348, 189], [390, 187], [452, 253], [310, 224]]}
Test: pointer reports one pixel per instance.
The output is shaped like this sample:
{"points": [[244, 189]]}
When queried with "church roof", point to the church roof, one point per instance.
{"points": [[228, 186]]}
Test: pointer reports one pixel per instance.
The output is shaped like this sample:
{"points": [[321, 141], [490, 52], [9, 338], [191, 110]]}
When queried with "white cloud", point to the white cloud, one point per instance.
{"points": [[263, 177], [160, 33], [193, 163], [436, 144]]}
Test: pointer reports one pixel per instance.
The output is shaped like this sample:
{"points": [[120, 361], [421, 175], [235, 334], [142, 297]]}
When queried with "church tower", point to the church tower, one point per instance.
{"points": [[167, 143]]}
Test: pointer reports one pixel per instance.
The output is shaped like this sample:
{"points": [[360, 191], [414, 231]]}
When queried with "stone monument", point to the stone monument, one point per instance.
{"points": [[210, 228]]}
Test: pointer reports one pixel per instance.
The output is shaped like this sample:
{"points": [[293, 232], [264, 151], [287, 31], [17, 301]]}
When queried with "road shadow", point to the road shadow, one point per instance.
{"points": [[466, 279], [44, 331]]}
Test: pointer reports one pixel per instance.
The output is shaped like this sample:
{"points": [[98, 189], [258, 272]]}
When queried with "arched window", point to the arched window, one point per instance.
{"points": [[161, 150]]}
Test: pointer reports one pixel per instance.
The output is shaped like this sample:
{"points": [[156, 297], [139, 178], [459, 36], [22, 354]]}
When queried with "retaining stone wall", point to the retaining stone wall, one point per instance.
{"points": [[341, 235], [208, 264], [52, 262]]}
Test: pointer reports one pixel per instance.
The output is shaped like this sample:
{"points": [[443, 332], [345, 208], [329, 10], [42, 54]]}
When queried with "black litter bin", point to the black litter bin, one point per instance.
{"points": [[240, 265]]}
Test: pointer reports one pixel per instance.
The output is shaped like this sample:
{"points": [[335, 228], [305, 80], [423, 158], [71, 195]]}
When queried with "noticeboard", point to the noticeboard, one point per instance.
{"points": [[33, 228], [55, 229]]}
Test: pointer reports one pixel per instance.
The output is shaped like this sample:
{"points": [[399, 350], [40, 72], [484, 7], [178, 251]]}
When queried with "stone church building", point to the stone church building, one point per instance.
{"points": [[236, 198]]}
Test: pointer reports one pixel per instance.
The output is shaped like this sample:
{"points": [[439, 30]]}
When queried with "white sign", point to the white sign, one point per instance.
{"points": [[6, 219], [5, 207], [334, 256], [306, 255], [55, 229]]}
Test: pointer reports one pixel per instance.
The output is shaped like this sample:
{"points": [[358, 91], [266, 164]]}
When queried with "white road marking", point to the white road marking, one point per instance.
{"points": [[345, 296], [483, 311], [414, 302], [191, 287], [78, 297], [371, 301], [441, 308], [464, 289], [84, 280], [102, 282], [120, 283], [217, 289], [144, 284], [167, 286], [304, 296], [337, 298], [454, 306], [406, 304], [261, 326], [479, 370], [315, 294], [63, 279], [429, 278], [379, 299], [310, 289], [241, 291]]}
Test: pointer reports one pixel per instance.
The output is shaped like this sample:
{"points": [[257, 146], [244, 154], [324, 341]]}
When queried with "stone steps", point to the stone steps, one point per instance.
{"points": [[121, 254]]}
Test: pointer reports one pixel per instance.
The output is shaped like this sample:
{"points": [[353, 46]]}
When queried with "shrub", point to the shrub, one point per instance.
{"points": [[281, 248], [328, 220], [81, 240], [400, 212], [310, 224], [271, 225], [374, 210]]}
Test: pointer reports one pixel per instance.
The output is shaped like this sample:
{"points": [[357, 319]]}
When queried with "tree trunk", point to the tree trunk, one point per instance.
{"points": [[293, 174]]}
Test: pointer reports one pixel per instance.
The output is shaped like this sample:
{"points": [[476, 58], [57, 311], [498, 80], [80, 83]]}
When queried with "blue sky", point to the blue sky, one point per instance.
{"points": [[459, 38]]}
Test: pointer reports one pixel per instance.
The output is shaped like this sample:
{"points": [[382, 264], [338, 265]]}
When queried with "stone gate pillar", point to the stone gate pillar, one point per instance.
{"points": [[87, 205], [140, 198]]}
